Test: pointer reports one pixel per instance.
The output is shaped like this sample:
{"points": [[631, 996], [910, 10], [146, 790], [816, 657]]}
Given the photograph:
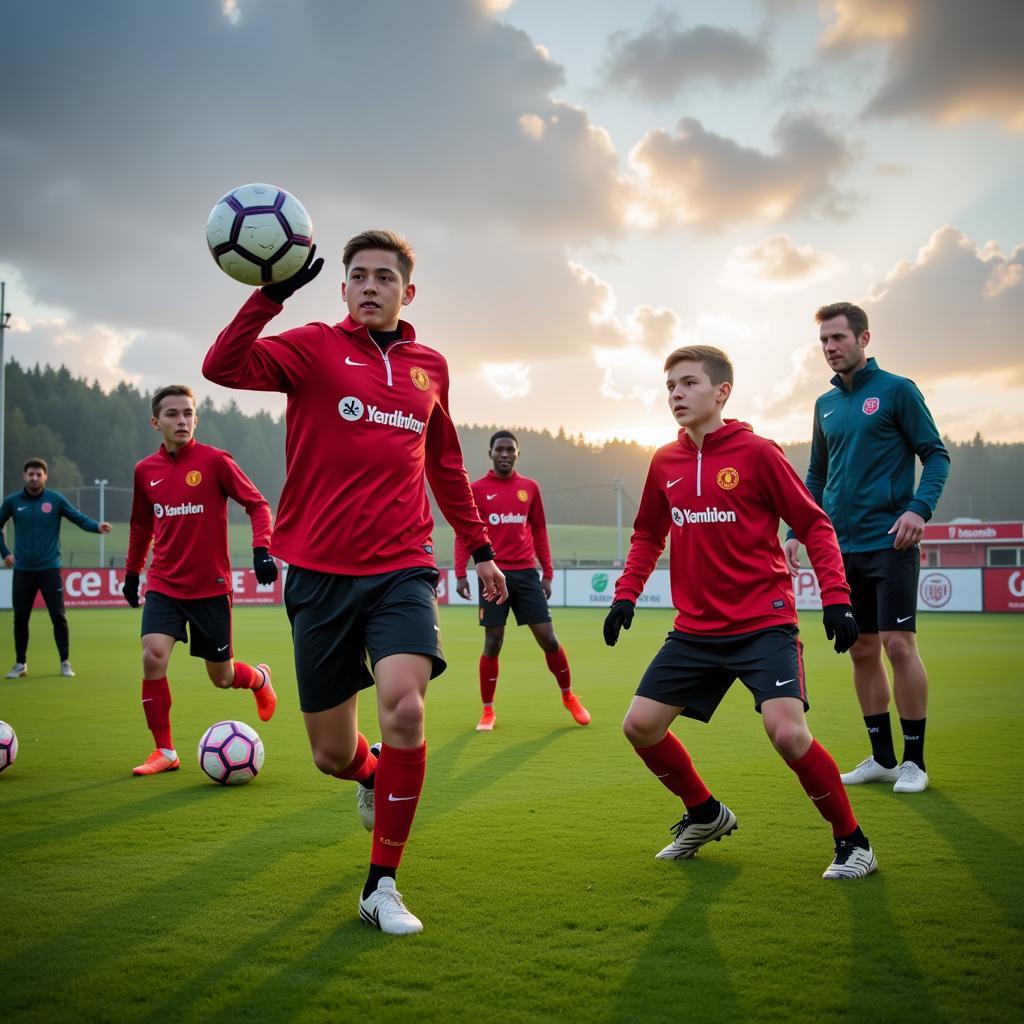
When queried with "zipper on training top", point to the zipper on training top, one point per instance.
{"points": [[384, 355], [700, 455]]}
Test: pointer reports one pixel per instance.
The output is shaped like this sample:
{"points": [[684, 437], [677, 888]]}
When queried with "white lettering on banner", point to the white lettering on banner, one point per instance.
{"points": [[1016, 584], [396, 418], [186, 508], [238, 579], [496, 519], [711, 514], [967, 533]]}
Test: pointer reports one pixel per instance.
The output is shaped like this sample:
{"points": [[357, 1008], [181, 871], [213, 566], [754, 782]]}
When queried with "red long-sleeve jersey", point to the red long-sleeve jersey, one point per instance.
{"points": [[180, 503], [722, 505], [514, 512], [364, 428]]}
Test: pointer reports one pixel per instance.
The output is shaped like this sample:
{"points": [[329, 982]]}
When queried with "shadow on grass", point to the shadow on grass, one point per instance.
{"points": [[680, 961]]}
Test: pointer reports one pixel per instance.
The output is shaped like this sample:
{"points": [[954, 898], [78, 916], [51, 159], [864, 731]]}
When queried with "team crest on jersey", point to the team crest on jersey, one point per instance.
{"points": [[419, 378], [46, 507], [193, 478], [522, 495], [870, 406], [727, 478]]}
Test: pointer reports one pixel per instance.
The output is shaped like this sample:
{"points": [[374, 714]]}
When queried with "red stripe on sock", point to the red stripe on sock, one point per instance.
{"points": [[671, 764], [819, 776], [156, 703], [488, 678], [246, 677], [398, 785], [362, 765]]}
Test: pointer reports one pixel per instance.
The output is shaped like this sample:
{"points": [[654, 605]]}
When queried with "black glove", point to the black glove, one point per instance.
{"points": [[281, 290], [840, 623], [131, 588], [620, 616], [264, 566]]}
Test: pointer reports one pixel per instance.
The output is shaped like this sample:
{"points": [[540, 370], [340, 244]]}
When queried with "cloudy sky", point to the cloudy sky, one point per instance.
{"points": [[588, 184]]}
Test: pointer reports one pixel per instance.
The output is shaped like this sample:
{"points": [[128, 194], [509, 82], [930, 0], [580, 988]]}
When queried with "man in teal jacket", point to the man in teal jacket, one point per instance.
{"points": [[37, 514], [868, 432]]}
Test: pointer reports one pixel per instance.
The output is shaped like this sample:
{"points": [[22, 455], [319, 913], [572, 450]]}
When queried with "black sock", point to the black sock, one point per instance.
{"points": [[856, 837], [913, 740], [377, 872], [880, 734], [706, 812], [368, 783]]}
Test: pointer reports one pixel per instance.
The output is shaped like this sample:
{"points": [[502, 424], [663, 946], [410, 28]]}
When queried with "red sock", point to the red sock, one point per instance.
{"points": [[156, 703], [819, 776], [488, 678], [558, 666], [246, 677], [671, 765], [362, 765], [398, 786]]}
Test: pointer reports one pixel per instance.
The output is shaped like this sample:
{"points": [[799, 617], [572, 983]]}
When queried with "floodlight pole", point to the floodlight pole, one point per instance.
{"points": [[101, 484], [4, 318], [618, 520]]}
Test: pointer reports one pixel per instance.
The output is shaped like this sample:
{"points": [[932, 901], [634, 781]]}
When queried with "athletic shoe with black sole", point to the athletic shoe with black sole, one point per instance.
{"points": [[851, 861]]}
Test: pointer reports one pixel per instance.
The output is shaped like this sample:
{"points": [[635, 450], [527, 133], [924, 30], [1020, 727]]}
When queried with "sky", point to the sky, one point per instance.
{"points": [[587, 185]]}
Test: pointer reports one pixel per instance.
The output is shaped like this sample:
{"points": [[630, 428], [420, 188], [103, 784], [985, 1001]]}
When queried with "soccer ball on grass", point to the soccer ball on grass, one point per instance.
{"points": [[8, 746], [231, 753]]}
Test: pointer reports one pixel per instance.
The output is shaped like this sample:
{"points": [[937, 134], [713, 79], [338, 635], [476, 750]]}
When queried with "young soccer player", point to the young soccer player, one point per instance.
{"points": [[180, 503], [515, 514], [720, 491], [37, 513], [367, 427], [869, 431]]}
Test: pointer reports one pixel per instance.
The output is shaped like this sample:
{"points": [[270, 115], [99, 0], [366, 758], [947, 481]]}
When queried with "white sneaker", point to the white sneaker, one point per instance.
{"points": [[851, 861], [912, 779], [18, 669], [690, 836], [364, 797], [869, 770], [66, 669], [384, 909]]}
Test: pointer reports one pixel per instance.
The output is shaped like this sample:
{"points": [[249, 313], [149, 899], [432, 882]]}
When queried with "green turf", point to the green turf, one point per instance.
{"points": [[531, 863]]}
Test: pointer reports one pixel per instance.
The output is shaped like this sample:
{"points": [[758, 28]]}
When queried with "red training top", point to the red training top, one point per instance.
{"points": [[180, 502], [722, 506], [515, 515], [363, 427]]}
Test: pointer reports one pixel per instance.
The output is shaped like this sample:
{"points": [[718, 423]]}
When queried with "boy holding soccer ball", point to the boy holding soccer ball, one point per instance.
{"points": [[367, 426], [180, 503], [719, 491]]}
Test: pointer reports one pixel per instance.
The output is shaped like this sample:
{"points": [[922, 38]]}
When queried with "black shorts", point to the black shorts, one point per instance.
{"points": [[208, 620], [695, 672], [337, 621], [525, 598], [883, 588]]}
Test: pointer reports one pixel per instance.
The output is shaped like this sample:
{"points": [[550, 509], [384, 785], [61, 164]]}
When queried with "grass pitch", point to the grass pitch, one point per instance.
{"points": [[532, 859]]}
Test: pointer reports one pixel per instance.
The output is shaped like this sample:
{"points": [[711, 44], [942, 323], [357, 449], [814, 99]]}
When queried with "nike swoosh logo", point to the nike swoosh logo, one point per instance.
{"points": [[784, 681], [672, 483], [146, 700], [224, 648], [352, 362], [397, 799], [817, 799], [21, 508], [153, 483], [665, 776], [825, 415], [491, 497], [904, 619]]}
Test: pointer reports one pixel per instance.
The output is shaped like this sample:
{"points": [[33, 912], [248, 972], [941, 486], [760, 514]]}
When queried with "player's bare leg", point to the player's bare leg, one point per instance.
{"points": [[910, 685], [872, 686], [401, 688], [494, 639], [705, 820], [156, 704], [238, 675], [558, 665]]}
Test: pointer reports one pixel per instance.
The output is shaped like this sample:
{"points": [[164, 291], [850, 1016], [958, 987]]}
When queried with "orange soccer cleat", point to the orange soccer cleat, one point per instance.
{"points": [[266, 699], [486, 723], [156, 763], [576, 709]]}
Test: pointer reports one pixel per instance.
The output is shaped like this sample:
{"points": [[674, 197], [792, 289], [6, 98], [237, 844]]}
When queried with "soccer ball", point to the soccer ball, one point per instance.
{"points": [[8, 746], [231, 753], [259, 234]]}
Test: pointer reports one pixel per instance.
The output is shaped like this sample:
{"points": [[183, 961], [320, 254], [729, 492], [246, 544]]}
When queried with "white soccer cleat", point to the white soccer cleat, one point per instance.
{"points": [[869, 770], [851, 861], [364, 797], [912, 779], [690, 836], [66, 669], [18, 669], [384, 909]]}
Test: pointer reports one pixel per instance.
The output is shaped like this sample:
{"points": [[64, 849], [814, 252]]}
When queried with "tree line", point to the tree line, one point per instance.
{"points": [[86, 433]]}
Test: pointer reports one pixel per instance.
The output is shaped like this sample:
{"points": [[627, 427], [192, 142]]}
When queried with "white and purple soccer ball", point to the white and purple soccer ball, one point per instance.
{"points": [[8, 746], [259, 234], [231, 753]]}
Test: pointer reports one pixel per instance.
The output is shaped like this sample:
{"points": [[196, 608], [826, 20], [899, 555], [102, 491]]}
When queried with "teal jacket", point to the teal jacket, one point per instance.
{"points": [[863, 457], [37, 527]]}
